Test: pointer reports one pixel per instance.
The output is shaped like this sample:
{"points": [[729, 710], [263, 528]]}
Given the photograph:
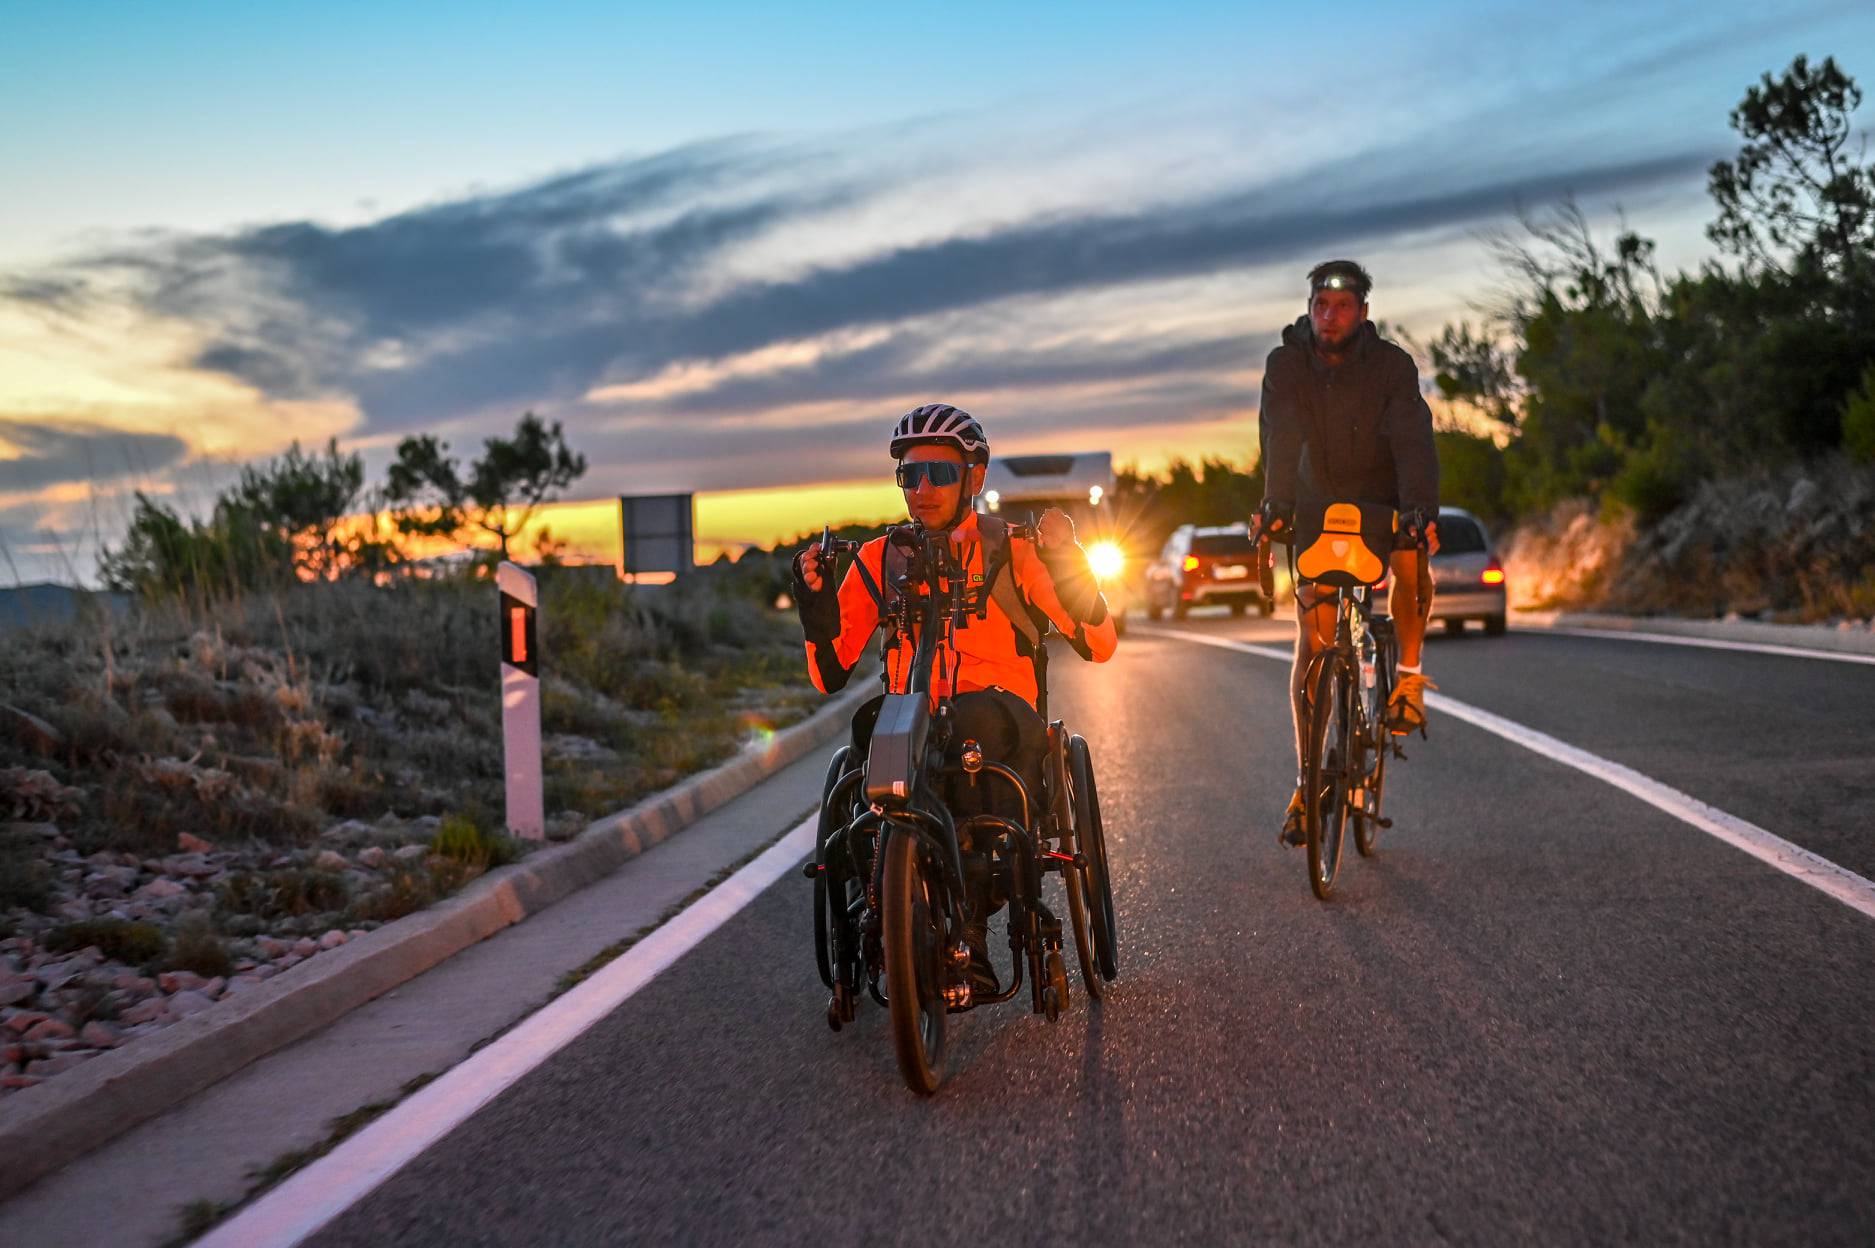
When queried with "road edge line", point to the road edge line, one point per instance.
{"points": [[1705, 643], [302, 1205], [45, 1128], [1828, 878]]}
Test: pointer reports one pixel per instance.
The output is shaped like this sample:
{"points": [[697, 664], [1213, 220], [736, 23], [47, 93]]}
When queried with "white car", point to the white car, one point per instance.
{"points": [[1467, 578]]}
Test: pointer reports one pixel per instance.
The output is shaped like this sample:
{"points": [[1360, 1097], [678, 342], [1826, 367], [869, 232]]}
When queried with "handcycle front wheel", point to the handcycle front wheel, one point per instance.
{"points": [[1326, 773], [825, 916], [1097, 883], [914, 953]]}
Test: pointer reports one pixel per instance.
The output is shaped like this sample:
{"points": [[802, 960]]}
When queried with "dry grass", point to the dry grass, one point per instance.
{"points": [[259, 722]]}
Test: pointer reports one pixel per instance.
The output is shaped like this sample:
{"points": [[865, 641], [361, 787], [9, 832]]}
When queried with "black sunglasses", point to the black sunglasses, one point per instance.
{"points": [[937, 472]]}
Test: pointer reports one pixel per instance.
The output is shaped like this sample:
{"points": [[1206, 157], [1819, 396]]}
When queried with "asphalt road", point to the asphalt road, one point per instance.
{"points": [[1546, 1013]]}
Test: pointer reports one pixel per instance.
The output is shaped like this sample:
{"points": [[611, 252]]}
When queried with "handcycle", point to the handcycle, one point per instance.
{"points": [[890, 899], [1344, 548]]}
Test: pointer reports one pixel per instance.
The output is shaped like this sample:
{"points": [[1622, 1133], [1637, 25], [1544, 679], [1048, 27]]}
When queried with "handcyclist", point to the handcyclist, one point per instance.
{"points": [[942, 453], [1342, 420]]}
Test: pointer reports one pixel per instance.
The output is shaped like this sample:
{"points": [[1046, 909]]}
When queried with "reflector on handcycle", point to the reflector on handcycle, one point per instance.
{"points": [[898, 743], [1347, 544]]}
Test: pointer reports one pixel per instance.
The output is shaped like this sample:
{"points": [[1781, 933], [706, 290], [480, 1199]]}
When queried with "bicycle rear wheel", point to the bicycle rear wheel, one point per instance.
{"points": [[914, 952], [1367, 811], [1330, 729]]}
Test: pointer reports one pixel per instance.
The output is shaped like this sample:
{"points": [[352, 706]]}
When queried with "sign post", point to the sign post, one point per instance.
{"points": [[520, 701]]}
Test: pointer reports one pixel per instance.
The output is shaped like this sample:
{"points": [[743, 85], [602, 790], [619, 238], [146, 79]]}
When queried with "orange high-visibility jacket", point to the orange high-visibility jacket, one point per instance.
{"points": [[988, 652]]}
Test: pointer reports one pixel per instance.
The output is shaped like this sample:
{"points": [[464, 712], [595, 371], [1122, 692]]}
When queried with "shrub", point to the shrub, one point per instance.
{"points": [[1858, 420], [24, 880], [462, 839], [198, 948], [117, 939], [283, 893], [409, 890]]}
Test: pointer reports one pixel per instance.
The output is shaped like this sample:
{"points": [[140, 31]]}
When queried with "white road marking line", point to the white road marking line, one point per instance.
{"points": [[303, 1204], [1793, 860], [1705, 643]]}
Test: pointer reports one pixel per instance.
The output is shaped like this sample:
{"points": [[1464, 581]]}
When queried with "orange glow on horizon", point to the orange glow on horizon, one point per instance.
{"points": [[731, 521]]}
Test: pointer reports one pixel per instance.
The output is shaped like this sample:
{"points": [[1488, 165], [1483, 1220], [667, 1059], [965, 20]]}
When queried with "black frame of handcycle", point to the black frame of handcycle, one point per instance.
{"points": [[1034, 929]]}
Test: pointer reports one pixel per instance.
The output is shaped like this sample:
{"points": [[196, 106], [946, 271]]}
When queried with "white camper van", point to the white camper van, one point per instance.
{"points": [[1018, 487]]}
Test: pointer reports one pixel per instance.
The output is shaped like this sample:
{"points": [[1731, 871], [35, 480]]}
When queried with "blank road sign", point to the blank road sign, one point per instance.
{"points": [[658, 532]]}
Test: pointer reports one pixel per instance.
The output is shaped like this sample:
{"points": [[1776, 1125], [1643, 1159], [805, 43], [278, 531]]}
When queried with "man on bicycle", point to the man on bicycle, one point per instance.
{"points": [[1342, 420], [942, 454]]}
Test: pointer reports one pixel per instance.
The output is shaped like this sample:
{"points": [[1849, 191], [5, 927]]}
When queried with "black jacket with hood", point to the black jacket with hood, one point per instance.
{"points": [[1358, 431]]}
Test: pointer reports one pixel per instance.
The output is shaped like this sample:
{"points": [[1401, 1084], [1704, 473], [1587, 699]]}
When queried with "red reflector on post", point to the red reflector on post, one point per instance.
{"points": [[517, 617]]}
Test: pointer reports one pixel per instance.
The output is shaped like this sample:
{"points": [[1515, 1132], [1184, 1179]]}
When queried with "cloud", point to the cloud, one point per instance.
{"points": [[464, 310], [46, 454], [461, 306], [650, 304], [922, 362]]}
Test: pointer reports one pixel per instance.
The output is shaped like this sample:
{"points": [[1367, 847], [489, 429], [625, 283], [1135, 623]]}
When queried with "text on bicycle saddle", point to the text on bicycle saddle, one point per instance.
{"points": [[1350, 547]]}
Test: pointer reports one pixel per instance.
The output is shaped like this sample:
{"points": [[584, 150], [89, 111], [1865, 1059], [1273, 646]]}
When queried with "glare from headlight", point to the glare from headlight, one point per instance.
{"points": [[994, 500], [1106, 559], [1094, 494]]}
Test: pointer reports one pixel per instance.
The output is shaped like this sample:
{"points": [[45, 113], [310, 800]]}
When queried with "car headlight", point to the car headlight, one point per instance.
{"points": [[1106, 559]]}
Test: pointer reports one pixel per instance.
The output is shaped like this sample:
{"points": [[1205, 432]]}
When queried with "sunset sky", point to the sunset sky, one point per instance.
{"points": [[727, 244]]}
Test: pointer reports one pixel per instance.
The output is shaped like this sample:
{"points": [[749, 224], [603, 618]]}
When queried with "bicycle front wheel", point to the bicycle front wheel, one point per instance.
{"points": [[1331, 716], [1379, 743], [914, 954]]}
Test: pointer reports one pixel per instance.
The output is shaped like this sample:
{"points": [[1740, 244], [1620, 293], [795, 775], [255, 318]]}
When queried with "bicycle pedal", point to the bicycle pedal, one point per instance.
{"points": [[1386, 823]]}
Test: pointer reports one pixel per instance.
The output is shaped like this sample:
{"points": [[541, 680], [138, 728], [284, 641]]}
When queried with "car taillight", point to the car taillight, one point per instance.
{"points": [[1493, 574], [1191, 563]]}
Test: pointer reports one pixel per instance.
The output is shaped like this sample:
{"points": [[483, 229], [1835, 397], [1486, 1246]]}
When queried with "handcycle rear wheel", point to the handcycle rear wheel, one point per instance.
{"points": [[1061, 797], [1091, 839], [1326, 773], [914, 949]]}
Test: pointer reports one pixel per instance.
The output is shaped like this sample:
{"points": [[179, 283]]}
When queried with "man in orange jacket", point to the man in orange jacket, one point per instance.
{"points": [[992, 674]]}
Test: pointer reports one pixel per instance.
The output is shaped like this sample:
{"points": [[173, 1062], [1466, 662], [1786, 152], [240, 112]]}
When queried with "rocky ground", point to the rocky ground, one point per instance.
{"points": [[194, 801], [83, 976], [1795, 546]]}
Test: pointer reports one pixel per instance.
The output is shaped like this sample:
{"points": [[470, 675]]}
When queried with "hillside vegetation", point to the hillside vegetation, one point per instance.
{"points": [[295, 735]]}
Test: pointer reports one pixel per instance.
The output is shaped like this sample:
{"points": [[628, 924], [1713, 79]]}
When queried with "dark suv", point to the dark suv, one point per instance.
{"points": [[1201, 567]]}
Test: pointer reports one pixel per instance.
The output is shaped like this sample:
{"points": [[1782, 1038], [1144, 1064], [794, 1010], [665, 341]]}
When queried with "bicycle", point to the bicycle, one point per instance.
{"points": [[1348, 683]]}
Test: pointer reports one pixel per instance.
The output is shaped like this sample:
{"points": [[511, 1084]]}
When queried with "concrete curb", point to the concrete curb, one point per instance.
{"points": [[1799, 636], [51, 1125]]}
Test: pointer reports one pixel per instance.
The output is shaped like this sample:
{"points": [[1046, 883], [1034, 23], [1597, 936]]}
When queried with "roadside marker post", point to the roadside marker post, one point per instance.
{"points": [[520, 701]]}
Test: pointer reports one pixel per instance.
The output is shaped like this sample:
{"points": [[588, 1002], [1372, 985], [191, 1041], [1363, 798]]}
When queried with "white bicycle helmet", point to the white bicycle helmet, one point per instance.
{"points": [[940, 424]]}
